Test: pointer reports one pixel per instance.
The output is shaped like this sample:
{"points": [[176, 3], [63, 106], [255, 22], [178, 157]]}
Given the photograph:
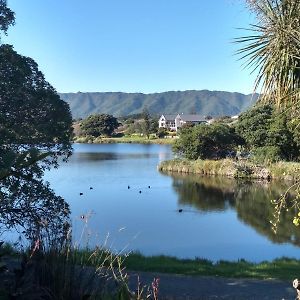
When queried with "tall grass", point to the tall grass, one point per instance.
{"points": [[233, 168]]}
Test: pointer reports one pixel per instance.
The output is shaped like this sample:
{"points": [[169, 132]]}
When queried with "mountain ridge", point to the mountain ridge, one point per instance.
{"points": [[204, 102]]}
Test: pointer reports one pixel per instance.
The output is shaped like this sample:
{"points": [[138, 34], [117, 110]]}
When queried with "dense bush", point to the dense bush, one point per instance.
{"points": [[267, 154], [101, 124], [207, 142], [268, 132]]}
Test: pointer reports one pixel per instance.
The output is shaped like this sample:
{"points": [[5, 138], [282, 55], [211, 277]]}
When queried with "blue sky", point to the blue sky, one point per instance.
{"points": [[133, 45]]}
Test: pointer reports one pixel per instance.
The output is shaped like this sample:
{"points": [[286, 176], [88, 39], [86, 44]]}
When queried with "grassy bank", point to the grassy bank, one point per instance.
{"points": [[232, 168], [283, 268], [125, 139]]}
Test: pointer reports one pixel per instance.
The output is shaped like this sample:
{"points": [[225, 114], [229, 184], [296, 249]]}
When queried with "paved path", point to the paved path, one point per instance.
{"points": [[181, 287]]}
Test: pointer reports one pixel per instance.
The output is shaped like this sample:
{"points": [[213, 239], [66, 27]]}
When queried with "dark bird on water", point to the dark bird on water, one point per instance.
{"points": [[80, 194], [128, 187], [91, 187], [148, 186], [180, 210], [140, 192]]}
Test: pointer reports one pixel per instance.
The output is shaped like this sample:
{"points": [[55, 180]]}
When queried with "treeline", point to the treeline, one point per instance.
{"points": [[104, 125], [262, 134]]}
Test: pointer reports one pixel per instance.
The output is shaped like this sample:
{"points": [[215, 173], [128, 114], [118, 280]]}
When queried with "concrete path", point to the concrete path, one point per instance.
{"points": [[181, 287]]}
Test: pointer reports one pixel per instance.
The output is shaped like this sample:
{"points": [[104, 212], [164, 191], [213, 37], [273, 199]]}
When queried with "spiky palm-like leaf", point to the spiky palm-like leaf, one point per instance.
{"points": [[274, 50]]}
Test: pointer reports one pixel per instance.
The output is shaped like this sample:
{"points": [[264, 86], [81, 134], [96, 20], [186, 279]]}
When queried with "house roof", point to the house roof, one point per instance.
{"points": [[170, 117], [192, 118]]}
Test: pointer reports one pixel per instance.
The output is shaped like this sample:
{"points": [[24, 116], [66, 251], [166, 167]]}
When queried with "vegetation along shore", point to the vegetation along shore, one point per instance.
{"points": [[235, 169]]}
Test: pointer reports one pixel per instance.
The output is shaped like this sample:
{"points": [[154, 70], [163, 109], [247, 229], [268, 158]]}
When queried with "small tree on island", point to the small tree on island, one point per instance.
{"points": [[100, 124]]}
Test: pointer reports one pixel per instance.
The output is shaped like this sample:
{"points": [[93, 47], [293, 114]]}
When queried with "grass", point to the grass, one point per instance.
{"points": [[233, 168], [282, 268], [125, 139]]}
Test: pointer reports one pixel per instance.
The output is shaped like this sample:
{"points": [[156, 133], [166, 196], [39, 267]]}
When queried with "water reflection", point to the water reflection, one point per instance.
{"points": [[103, 156], [251, 200]]}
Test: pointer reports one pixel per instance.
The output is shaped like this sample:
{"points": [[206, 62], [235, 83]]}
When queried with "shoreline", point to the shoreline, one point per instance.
{"points": [[288, 171], [125, 140]]}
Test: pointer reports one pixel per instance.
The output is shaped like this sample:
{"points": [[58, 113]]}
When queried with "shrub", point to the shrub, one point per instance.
{"points": [[267, 154], [207, 141]]}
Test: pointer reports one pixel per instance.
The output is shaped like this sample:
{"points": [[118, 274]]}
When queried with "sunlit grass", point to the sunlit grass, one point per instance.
{"points": [[126, 139], [232, 168]]}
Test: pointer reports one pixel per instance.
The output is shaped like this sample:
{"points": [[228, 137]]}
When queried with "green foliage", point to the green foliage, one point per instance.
{"points": [[267, 154], [35, 130], [268, 132], [253, 125], [282, 268], [97, 125], [162, 132], [146, 123], [207, 141], [142, 126], [273, 48], [31, 113], [7, 17]]}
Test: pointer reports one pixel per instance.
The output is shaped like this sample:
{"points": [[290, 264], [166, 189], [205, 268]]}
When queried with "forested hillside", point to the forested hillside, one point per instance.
{"points": [[214, 103]]}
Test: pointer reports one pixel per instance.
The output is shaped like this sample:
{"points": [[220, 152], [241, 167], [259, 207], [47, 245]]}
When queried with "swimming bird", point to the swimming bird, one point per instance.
{"points": [[148, 186], [128, 187], [91, 187], [180, 210], [80, 194], [140, 192]]}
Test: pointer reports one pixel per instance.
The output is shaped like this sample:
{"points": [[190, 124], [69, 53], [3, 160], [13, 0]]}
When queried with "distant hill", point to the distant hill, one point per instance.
{"points": [[213, 103]]}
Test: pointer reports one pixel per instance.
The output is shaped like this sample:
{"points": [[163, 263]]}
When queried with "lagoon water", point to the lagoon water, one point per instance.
{"points": [[221, 218]]}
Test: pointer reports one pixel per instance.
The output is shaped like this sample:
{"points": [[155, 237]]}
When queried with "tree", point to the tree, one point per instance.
{"points": [[101, 124], [207, 141], [34, 122], [7, 17], [146, 123], [253, 125], [274, 50], [262, 127], [35, 130]]}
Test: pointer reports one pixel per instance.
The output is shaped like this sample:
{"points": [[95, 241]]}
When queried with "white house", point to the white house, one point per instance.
{"points": [[167, 121], [173, 122]]}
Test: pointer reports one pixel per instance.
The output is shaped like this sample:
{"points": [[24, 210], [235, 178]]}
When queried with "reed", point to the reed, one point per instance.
{"points": [[233, 168]]}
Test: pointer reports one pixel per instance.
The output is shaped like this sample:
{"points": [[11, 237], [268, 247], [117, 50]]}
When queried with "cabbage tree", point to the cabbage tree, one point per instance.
{"points": [[273, 50]]}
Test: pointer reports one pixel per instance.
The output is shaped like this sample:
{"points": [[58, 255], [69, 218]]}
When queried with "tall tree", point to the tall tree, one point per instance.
{"points": [[7, 17], [274, 50], [35, 130], [101, 124], [146, 123], [34, 122]]}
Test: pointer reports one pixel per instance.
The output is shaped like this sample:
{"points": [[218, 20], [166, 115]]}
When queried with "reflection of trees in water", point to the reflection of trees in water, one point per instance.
{"points": [[206, 194], [254, 207], [251, 200]]}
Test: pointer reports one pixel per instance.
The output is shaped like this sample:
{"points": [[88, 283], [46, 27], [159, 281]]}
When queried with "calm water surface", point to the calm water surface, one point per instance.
{"points": [[221, 218]]}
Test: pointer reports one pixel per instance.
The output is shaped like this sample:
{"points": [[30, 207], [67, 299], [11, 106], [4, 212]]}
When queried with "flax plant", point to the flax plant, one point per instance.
{"points": [[273, 50]]}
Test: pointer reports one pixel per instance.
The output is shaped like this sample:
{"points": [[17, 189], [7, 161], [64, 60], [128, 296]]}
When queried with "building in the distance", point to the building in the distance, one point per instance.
{"points": [[173, 122]]}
